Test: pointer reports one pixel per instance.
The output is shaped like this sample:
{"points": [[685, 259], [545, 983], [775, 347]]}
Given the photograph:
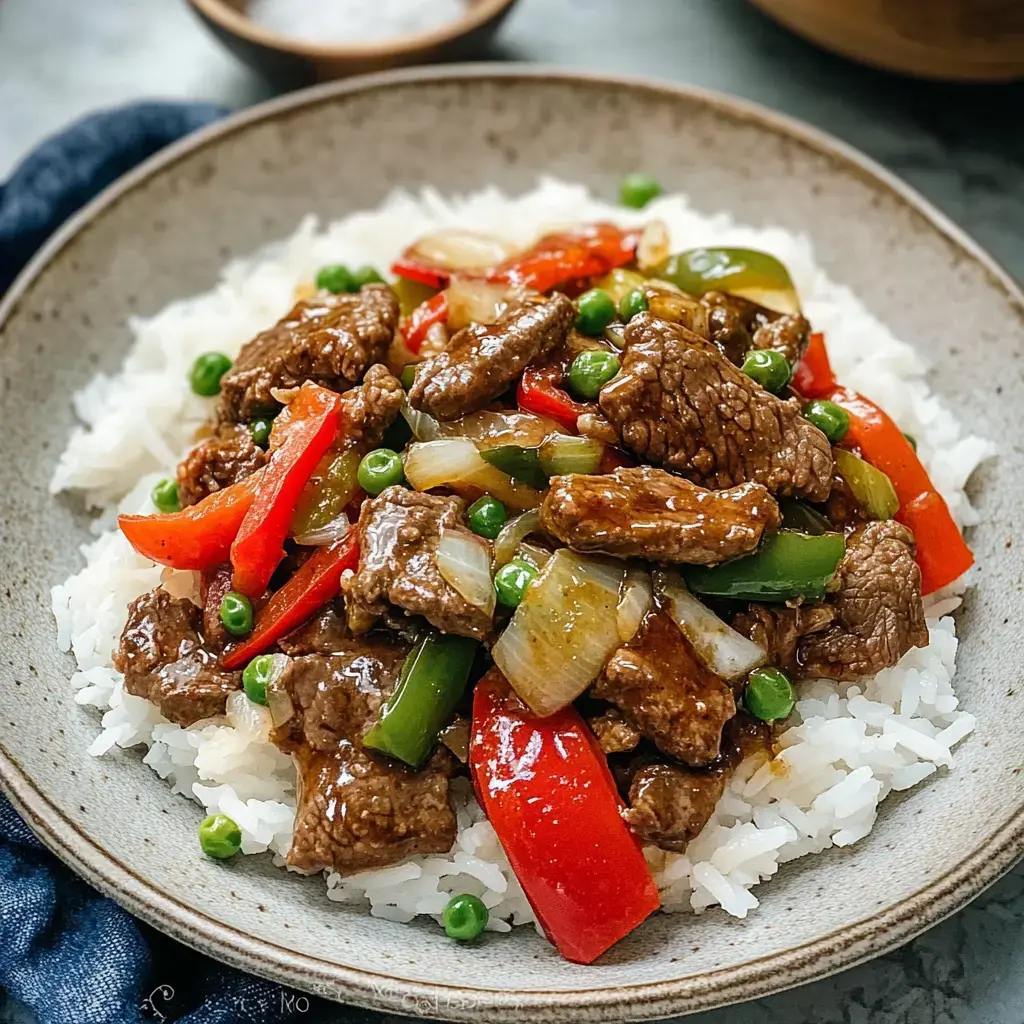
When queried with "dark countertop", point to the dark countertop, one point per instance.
{"points": [[962, 146]]}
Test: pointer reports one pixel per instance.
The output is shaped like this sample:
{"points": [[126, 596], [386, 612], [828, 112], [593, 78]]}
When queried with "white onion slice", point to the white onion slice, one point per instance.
{"points": [[635, 599], [454, 462], [459, 249], [334, 530], [563, 632], [654, 245], [535, 554], [471, 301], [279, 700], [727, 653], [464, 560], [512, 534], [488, 428]]}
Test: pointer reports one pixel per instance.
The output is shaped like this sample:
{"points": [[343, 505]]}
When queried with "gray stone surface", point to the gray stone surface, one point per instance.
{"points": [[961, 146]]}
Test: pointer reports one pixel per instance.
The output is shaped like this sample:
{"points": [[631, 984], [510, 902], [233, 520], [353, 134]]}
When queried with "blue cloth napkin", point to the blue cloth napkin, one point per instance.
{"points": [[66, 953]]}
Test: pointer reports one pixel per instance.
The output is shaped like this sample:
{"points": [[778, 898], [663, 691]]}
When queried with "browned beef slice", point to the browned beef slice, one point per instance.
{"points": [[738, 325], [399, 532], [879, 615], [778, 628], [329, 339], [665, 691], [670, 804], [788, 335], [482, 361], [842, 508], [614, 732], [357, 809], [325, 633], [218, 462], [368, 410], [680, 402], [216, 583], [645, 512], [163, 659]]}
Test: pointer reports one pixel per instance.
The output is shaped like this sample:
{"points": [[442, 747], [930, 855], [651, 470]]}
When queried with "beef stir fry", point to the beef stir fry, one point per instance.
{"points": [[572, 521]]}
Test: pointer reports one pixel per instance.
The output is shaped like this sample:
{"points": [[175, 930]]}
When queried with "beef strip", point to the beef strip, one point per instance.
{"points": [[219, 461], [357, 809], [669, 805], [787, 335], [737, 325], [216, 583], [666, 692], [482, 361], [778, 629], [614, 733], [325, 633], [680, 402], [399, 532], [329, 339], [164, 660], [647, 513], [879, 614], [842, 508], [368, 410]]}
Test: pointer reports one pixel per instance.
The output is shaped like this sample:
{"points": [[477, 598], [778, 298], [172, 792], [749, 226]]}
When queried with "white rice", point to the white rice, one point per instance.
{"points": [[847, 748]]}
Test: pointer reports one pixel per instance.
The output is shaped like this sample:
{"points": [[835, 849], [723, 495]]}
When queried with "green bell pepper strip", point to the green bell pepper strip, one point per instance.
{"points": [[801, 517], [431, 683], [748, 273], [870, 486], [787, 565], [518, 462]]}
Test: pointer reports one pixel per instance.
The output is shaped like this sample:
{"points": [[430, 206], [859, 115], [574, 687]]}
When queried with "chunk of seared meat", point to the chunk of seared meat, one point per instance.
{"points": [[215, 583], [399, 532], [325, 633], [614, 732], [329, 339], [482, 361], [680, 402], [842, 508], [356, 809], [737, 325], [879, 614], [163, 659], [644, 512], [778, 628], [666, 692], [219, 461], [669, 804], [369, 409]]}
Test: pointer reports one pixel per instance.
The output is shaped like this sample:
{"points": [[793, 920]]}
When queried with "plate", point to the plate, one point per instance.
{"points": [[165, 229]]}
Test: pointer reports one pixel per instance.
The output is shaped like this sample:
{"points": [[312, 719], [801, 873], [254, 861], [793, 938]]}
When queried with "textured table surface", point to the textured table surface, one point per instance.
{"points": [[960, 145]]}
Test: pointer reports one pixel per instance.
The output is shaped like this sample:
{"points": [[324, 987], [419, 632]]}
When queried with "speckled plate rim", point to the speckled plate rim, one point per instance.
{"points": [[826, 955]]}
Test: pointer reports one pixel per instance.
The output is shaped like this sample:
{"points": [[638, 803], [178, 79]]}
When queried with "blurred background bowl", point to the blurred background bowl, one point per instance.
{"points": [[293, 61], [967, 40]]}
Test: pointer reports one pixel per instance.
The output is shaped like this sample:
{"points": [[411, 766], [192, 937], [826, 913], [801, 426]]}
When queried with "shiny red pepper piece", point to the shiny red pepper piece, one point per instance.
{"points": [[312, 586], [539, 392], [413, 269], [942, 553], [313, 424], [545, 786], [198, 537], [422, 318], [813, 377]]}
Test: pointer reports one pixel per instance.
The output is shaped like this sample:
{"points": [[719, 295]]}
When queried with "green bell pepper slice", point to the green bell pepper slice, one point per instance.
{"points": [[786, 566], [870, 486], [798, 516], [430, 686]]}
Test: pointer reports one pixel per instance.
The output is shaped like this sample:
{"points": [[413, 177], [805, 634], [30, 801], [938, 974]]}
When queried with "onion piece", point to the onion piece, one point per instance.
{"points": [[564, 453], [472, 301], [563, 631], [667, 302], [488, 428], [654, 245], [464, 560], [334, 530], [535, 554], [454, 462], [279, 700], [728, 654], [459, 249], [512, 534], [635, 599]]}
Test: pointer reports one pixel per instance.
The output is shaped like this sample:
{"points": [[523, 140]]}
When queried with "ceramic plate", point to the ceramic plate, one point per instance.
{"points": [[165, 230]]}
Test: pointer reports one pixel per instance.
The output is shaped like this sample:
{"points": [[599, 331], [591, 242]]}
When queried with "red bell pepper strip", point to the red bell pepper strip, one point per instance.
{"points": [[198, 537], [813, 377], [566, 256], [312, 586], [942, 553], [259, 546], [422, 318], [539, 392], [413, 269], [546, 788]]}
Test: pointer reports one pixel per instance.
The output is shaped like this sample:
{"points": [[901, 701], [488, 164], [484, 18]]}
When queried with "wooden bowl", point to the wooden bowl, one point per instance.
{"points": [[296, 61], [966, 40]]}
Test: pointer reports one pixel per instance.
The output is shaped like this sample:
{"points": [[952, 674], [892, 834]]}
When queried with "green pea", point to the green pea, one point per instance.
{"points": [[767, 368], [511, 581], [595, 310], [236, 613], [336, 278], [408, 375], [911, 440], [486, 517], [260, 432], [638, 189], [220, 837], [365, 275], [769, 694], [257, 676], [590, 371], [632, 304], [831, 419], [165, 495], [206, 372], [465, 917], [380, 469]]}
